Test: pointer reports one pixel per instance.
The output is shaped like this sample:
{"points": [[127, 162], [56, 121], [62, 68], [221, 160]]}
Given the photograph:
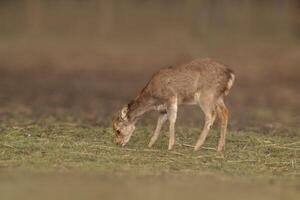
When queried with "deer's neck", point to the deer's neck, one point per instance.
{"points": [[139, 106]]}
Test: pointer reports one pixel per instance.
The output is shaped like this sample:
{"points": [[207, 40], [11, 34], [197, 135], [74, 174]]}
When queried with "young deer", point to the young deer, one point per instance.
{"points": [[202, 82]]}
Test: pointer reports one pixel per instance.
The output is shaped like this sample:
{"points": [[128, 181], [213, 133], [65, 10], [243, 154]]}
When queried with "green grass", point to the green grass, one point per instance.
{"points": [[48, 153], [51, 144]]}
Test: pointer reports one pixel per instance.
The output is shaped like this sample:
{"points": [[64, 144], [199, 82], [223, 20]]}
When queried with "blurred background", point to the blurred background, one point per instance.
{"points": [[85, 59]]}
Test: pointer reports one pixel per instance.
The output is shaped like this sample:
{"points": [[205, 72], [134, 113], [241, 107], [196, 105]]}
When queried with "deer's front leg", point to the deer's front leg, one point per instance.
{"points": [[172, 114], [161, 120]]}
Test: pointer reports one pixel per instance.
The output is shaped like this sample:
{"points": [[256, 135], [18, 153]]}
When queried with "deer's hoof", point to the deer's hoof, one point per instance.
{"points": [[196, 148], [220, 149], [170, 147], [150, 145]]}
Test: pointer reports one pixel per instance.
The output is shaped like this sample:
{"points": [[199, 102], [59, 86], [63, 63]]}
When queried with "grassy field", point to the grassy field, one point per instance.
{"points": [[68, 155], [64, 145]]}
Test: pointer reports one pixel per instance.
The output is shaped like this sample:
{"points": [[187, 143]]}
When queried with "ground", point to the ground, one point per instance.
{"points": [[68, 155]]}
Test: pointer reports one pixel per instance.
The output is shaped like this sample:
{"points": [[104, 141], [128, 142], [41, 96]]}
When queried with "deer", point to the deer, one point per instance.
{"points": [[203, 82]]}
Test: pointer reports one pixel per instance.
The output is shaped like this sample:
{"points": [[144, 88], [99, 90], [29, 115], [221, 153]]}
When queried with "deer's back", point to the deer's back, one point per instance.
{"points": [[200, 77]]}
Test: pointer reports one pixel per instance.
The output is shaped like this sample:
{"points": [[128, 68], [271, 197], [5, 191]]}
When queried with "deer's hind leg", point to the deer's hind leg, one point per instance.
{"points": [[210, 116], [223, 115], [161, 120]]}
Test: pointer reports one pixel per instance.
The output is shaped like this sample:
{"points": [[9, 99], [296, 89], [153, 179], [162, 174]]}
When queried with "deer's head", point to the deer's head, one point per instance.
{"points": [[122, 127]]}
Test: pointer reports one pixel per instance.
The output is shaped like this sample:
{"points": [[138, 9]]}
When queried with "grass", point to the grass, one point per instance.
{"points": [[65, 145], [59, 151]]}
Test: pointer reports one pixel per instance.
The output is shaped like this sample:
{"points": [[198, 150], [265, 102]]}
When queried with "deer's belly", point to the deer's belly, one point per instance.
{"points": [[191, 99]]}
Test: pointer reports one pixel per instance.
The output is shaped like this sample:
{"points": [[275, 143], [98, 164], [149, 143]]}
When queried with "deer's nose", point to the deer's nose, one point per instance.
{"points": [[119, 141]]}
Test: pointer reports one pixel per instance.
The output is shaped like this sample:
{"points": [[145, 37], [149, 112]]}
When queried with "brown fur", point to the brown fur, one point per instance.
{"points": [[202, 81]]}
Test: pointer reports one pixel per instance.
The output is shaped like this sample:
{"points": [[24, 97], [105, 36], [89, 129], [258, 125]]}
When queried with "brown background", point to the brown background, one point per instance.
{"points": [[85, 59]]}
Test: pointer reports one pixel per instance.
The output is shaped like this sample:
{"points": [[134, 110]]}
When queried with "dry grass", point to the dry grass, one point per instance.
{"points": [[77, 159], [67, 144]]}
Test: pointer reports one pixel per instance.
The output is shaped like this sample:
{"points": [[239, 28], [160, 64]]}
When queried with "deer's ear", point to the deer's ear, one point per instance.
{"points": [[124, 113]]}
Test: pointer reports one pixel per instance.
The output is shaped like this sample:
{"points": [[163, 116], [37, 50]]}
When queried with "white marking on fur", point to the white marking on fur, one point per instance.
{"points": [[230, 83], [173, 107], [160, 107], [197, 96], [231, 80], [209, 126]]}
